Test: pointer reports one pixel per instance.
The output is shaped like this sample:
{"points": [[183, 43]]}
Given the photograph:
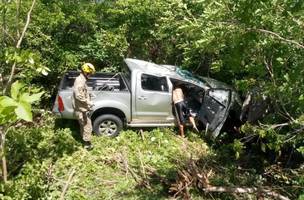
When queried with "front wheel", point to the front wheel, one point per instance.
{"points": [[107, 125]]}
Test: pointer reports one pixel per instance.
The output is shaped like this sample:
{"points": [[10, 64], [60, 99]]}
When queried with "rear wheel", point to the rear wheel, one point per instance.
{"points": [[107, 125]]}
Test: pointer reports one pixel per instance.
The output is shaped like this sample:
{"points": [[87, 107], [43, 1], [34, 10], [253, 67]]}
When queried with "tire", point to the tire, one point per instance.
{"points": [[107, 125]]}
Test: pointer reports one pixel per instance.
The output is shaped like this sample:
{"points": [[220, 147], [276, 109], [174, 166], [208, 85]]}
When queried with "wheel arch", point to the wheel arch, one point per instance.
{"points": [[108, 110]]}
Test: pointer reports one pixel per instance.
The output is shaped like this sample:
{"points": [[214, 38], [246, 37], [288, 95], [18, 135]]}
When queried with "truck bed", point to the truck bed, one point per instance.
{"points": [[97, 82], [106, 89]]}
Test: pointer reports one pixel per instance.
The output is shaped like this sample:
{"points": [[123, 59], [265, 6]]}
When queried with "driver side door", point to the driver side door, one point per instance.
{"points": [[152, 99]]}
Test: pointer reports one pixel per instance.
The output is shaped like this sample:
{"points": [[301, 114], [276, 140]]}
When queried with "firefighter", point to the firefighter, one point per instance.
{"points": [[82, 104]]}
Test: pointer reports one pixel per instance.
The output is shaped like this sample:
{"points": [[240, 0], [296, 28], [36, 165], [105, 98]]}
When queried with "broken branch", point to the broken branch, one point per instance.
{"points": [[245, 190], [65, 188]]}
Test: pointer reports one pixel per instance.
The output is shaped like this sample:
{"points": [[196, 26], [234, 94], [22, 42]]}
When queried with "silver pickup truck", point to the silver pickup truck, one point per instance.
{"points": [[141, 96]]}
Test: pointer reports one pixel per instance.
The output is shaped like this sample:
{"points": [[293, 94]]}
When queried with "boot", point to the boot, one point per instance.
{"points": [[88, 145]]}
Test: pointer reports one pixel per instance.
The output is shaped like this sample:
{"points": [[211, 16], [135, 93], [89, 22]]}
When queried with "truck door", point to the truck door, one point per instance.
{"points": [[214, 110], [152, 99]]}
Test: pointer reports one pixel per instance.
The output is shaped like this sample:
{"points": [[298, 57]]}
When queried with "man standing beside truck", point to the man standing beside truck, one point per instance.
{"points": [[181, 110], [82, 103]]}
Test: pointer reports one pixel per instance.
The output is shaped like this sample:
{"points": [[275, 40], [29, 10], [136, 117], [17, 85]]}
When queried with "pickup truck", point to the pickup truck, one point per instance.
{"points": [[141, 96]]}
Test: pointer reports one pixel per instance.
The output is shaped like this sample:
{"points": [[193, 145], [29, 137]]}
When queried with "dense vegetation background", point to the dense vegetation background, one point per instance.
{"points": [[250, 44]]}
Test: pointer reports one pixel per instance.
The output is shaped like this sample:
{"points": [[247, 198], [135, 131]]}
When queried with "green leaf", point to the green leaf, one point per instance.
{"points": [[7, 115], [301, 150], [23, 111], [237, 155], [262, 133], [7, 102], [280, 60], [31, 60], [26, 97], [15, 89], [286, 76]]}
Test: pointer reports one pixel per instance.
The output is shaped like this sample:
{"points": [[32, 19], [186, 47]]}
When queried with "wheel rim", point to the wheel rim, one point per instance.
{"points": [[108, 128]]}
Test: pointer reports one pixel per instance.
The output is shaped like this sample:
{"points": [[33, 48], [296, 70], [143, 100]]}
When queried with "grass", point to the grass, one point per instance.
{"points": [[129, 166], [135, 165]]}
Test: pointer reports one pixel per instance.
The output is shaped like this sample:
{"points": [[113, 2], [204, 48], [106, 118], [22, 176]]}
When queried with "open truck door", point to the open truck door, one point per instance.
{"points": [[214, 110]]}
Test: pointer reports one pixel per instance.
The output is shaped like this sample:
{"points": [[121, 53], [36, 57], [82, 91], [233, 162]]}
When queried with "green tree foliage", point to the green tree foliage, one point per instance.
{"points": [[18, 106], [250, 44], [13, 108]]}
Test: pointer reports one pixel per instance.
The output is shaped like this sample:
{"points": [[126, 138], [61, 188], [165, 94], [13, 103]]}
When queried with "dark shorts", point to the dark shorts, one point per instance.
{"points": [[182, 111]]}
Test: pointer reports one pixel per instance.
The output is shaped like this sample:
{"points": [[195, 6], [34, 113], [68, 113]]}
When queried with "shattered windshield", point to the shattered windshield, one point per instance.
{"points": [[190, 77]]}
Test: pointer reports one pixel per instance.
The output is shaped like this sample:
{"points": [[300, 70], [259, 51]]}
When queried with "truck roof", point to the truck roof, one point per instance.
{"points": [[171, 71], [149, 67]]}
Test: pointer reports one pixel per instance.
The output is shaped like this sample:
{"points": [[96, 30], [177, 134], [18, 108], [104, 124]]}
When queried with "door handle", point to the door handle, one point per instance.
{"points": [[142, 97]]}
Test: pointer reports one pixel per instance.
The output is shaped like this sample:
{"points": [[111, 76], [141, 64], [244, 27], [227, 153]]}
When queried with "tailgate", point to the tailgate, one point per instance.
{"points": [[63, 104]]}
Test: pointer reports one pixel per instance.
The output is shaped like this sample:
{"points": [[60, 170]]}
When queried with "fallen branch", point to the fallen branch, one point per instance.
{"points": [[143, 171], [296, 132], [245, 190], [199, 178], [127, 168], [274, 126], [66, 186], [183, 188]]}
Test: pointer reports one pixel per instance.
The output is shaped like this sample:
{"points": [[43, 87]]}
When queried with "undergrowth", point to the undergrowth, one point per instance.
{"points": [[48, 162]]}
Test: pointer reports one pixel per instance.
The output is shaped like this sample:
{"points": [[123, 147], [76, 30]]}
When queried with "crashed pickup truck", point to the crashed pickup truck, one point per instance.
{"points": [[141, 96]]}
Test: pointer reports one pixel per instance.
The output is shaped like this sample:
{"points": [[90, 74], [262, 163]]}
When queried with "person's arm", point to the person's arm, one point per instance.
{"points": [[192, 121]]}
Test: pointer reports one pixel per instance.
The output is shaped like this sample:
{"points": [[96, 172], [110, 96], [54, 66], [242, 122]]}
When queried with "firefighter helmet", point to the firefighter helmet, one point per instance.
{"points": [[88, 68]]}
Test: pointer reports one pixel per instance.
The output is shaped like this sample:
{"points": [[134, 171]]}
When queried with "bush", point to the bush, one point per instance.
{"points": [[31, 151]]}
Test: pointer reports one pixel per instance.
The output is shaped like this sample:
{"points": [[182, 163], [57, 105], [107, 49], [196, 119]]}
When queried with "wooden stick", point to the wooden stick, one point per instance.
{"points": [[67, 184], [184, 187], [245, 190], [142, 164], [141, 132]]}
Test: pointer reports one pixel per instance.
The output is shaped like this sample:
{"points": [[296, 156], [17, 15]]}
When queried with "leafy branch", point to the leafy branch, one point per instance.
{"points": [[13, 69], [276, 35], [16, 107]]}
